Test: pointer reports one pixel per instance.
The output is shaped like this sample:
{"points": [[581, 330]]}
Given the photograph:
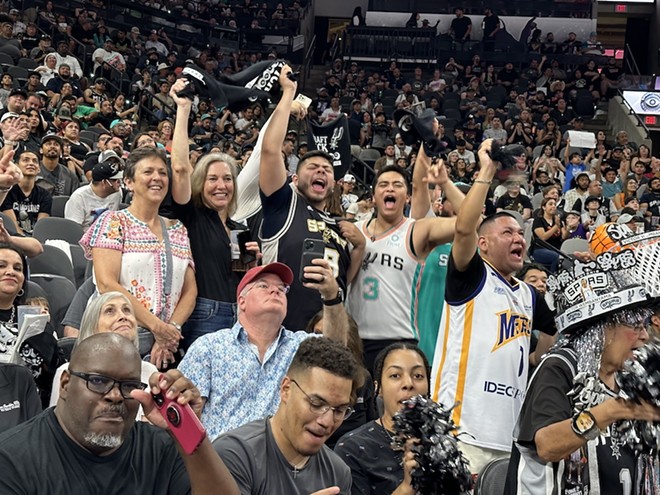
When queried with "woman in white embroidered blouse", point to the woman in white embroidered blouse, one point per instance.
{"points": [[145, 256]]}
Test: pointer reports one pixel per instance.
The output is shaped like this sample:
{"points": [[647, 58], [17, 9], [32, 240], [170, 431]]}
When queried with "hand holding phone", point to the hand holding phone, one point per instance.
{"points": [[312, 249], [181, 421]]}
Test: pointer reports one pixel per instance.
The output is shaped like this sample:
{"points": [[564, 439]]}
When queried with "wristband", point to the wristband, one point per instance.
{"points": [[339, 298], [5, 189], [482, 181]]}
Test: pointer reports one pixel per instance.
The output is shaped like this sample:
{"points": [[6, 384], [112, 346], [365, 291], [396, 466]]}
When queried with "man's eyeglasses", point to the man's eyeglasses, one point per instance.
{"points": [[102, 384], [263, 285], [320, 408]]}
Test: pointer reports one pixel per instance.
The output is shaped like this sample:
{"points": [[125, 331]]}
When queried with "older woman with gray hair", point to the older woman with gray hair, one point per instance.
{"points": [[109, 312]]}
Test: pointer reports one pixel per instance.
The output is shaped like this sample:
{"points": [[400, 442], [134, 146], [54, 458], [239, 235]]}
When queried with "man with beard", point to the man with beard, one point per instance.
{"points": [[26, 202], [53, 176], [64, 57], [316, 396], [579, 193], [294, 212], [54, 86], [90, 440], [649, 203]]}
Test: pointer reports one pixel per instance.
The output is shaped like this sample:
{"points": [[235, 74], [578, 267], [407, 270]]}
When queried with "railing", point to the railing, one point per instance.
{"points": [[423, 45], [307, 62]]}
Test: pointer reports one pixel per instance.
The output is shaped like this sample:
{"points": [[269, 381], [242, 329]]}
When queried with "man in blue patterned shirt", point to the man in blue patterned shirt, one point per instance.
{"points": [[238, 370]]}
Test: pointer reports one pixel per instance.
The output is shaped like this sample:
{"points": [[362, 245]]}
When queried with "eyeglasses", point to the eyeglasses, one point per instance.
{"points": [[102, 384], [635, 327], [263, 285], [320, 408]]}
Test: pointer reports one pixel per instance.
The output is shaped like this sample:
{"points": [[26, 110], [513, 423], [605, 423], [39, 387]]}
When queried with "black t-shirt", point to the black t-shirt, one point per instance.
{"points": [[547, 403], [375, 467], [489, 24], [39, 457], [27, 208], [555, 240], [19, 399], [460, 26], [518, 204], [215, 278]]}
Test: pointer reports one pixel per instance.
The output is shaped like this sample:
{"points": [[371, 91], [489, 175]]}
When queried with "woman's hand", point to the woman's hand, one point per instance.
{"points": [[161, 357], [166, 335], [10, 174], [253, 247]]}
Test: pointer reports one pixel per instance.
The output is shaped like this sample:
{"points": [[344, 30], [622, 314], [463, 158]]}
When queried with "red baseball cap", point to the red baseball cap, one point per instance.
{"points": [[279, 269]]}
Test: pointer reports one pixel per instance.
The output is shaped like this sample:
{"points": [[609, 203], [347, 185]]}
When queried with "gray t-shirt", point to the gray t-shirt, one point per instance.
{"points": [[84, 206], [259, 468]]}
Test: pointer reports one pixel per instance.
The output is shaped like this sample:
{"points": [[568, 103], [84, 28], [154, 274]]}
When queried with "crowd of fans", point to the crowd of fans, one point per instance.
{"points": [[198, 221]]}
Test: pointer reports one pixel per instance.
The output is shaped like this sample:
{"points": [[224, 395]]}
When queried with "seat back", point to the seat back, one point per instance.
{"points": [[59, 292], [53, 261], [59, 202], [492, 478], [57, 228], [569, 246]]}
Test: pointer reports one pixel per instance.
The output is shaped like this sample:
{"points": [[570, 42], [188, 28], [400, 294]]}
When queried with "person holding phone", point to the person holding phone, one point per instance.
{"points": [[295, 211], [204, 200], [90, 440]]}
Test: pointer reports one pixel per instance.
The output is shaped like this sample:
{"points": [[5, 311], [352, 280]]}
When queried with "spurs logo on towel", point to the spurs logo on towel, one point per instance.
{"points": [[268, 78], [337, 134]]}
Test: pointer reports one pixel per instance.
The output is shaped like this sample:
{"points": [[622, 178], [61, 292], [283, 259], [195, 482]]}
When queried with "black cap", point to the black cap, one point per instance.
{"points": [[18, 91], [51, 137]]}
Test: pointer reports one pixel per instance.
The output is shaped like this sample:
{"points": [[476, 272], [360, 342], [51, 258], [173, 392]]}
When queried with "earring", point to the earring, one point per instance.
{"points": [[20, 293]]}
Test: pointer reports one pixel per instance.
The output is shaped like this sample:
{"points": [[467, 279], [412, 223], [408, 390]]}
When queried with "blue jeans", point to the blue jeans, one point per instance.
{"points": [[208, 316]]}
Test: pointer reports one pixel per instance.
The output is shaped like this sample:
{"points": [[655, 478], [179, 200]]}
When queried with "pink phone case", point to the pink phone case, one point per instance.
{"points": [[182, 421]]}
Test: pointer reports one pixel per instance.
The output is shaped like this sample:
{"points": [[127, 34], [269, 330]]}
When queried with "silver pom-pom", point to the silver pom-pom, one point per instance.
{"points": [[639, 381], [441, 467]]}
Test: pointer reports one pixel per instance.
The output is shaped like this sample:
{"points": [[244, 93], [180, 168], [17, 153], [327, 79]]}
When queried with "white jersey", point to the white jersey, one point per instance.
{"points": [[482, 357], [379, 298]]}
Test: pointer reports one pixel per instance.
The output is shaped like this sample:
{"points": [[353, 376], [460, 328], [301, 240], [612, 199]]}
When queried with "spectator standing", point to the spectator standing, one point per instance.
{"points": [[461, 26], [295, 211], [490, 25], [480, 294]]}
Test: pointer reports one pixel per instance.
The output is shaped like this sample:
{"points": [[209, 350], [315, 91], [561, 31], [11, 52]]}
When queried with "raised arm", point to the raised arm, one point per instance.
{"points": [[272, 173], [181, 167], [469, 216], [420, 202]]}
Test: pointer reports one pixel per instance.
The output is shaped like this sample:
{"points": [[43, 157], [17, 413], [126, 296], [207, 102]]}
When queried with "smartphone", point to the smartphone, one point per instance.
{"points": [[304, 100], [244, 236], [182, 421], [312, 249]]}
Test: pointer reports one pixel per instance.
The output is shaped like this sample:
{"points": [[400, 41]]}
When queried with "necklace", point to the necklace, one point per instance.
{"points": [[11, 317], [299, 466], [387, 432], [373, 231]]}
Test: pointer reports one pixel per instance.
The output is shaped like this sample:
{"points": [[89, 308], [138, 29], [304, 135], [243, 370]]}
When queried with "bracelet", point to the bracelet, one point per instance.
{"points": [[481, 181], [176, 325], [5, 189]]}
